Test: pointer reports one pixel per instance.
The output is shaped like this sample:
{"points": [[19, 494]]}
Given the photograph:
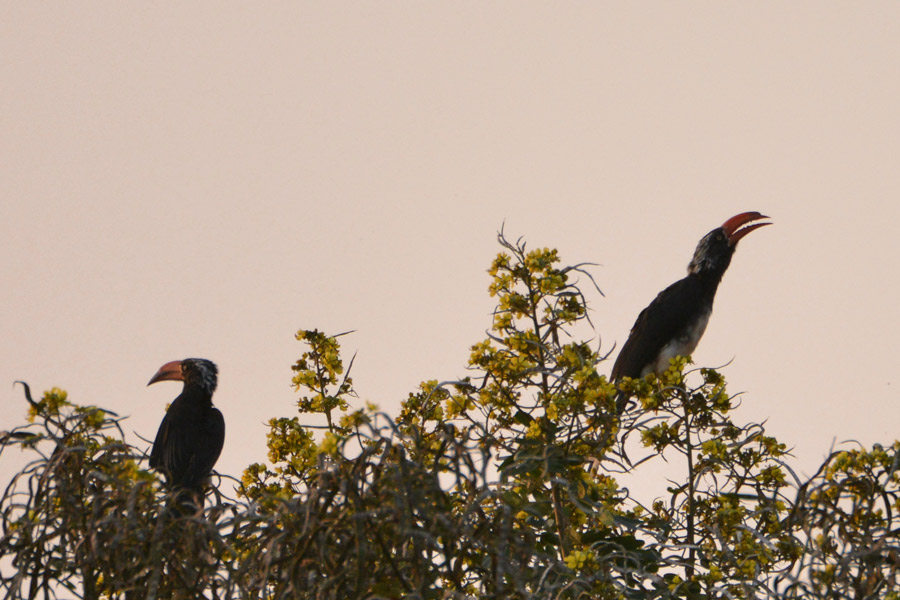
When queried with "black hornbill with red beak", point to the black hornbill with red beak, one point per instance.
{"points": [[192, 433], [674, 322]]}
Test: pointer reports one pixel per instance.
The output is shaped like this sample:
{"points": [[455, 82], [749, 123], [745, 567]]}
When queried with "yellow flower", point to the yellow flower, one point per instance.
{"points": [[552, 412], [577, 559], [329, 444]]}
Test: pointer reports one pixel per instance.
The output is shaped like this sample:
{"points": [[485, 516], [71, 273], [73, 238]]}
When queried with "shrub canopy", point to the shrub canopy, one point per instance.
{"points": [[506, 483]]}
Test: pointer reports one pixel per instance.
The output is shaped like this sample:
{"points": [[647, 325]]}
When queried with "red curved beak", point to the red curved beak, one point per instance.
{"points": [[734, 227], [170, 371]]}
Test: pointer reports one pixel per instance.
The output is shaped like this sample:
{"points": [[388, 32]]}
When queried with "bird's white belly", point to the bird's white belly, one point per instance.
{"points": [[683, 345]]}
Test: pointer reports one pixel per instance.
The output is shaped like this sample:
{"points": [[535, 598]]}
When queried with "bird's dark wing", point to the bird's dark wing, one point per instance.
{"points": [[207, 448], [157, 460], [188, 442], [666, 318], [172, 447]]}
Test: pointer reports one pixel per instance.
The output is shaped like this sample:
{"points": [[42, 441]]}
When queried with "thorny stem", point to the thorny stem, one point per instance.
{"points": [[689, 572], [323, 391], [558, 513]]}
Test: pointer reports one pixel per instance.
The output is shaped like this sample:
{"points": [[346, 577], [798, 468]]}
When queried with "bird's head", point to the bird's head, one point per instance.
{"points": [[192, 371], [714, 252]]}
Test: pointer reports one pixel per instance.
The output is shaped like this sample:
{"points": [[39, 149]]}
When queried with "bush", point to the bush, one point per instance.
{"points": [[502, 484]]}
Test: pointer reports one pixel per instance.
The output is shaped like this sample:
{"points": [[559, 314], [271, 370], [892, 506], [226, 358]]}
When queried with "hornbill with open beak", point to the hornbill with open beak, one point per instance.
{"points": [[674, 322], [192, 433]]}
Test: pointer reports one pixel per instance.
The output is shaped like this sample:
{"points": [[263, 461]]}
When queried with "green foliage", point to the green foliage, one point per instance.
{"points": [[726, 522], [511, 482], [317, 373], [848, 516], [83, 517]]}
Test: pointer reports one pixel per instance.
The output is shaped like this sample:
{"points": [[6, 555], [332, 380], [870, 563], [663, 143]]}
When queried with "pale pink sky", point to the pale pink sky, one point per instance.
{"points": [[202, 179]]}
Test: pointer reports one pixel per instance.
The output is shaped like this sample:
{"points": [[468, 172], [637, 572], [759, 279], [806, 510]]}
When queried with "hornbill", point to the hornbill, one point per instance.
{"points": [[674, 322], [192, 433]]}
